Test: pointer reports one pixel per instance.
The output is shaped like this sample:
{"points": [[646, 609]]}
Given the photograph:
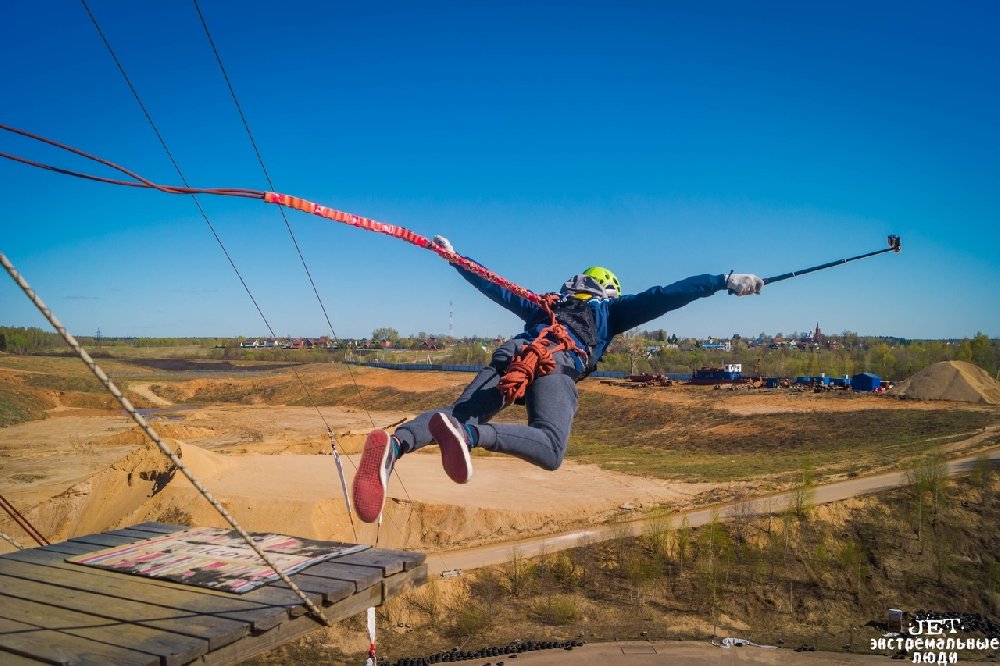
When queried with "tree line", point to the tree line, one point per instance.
{"points": [[636, 351], [890, 358]]}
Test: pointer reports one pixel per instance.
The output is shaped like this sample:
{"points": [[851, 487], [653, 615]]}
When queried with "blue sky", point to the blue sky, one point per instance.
{"points": [[659, 139]]}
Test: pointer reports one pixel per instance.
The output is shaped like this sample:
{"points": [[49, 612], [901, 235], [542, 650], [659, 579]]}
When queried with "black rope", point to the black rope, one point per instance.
{"points": [[270, 184], [177, 167], [218, 239], [288, 226]]}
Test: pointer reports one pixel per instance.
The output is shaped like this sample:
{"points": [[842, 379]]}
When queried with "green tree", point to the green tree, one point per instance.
{"points": [[982, 351], [964, 351], [385, 333]]}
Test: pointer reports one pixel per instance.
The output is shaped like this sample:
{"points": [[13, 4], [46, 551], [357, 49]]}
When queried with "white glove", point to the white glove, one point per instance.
{"points": [[443, 243], [744, 284]]}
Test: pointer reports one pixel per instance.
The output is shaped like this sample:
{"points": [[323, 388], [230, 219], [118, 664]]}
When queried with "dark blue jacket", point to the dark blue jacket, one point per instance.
{"points": [[611, 316]]}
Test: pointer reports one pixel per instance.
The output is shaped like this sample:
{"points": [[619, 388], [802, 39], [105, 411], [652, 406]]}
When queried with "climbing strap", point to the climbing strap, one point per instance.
{"points": [[535, 359]]}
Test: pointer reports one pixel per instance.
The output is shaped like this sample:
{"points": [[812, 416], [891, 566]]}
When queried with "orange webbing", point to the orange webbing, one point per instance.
{"points": [[401, 233], [535, 359]]}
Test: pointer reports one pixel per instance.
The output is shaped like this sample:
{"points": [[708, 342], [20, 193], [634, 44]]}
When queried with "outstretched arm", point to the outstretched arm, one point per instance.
{"points": [[631, 311], [521, 307]]}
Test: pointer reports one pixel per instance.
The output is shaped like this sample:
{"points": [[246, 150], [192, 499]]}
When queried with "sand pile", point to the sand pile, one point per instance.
{"points": [[958, 381]]}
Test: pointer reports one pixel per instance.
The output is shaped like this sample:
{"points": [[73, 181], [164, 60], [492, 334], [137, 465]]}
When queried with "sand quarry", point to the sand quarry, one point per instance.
{"points": [[82, 471]]}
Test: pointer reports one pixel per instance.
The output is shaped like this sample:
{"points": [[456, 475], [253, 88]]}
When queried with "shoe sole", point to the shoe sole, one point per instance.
{"points": [[369, 486], [455, 456]]}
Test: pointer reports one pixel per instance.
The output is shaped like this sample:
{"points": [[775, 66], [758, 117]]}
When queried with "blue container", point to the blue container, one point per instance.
{"points": [[865, 381]]}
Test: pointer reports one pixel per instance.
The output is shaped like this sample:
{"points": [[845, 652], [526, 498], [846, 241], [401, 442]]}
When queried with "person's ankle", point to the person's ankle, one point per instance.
{"points": [[471, 435]]}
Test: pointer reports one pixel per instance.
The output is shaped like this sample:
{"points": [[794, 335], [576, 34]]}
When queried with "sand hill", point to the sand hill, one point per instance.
{"points": [[951, 380]]}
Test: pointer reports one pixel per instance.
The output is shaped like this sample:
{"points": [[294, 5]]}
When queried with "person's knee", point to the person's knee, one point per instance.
{"points": [[556, 441], [553, 463]]}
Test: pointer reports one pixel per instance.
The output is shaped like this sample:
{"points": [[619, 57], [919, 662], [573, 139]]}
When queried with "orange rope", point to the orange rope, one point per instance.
{"points": [[297, 203], [535, 359]]}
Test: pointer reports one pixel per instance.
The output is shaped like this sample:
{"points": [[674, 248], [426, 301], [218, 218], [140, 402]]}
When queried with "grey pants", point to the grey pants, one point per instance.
{"points": [[551, 401]]}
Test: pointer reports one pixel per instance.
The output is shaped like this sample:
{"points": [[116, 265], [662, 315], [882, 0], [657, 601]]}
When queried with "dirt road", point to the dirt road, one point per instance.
{"points": [[146, 392]]}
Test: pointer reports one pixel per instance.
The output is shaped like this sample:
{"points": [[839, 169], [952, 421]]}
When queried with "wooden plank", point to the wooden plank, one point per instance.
{"points": [[332, 590], [103, 540], [362, 577], [137, 534], [292, 630], [389, 561], [56, 647], [11, 659], [56, 588], [259, 617], [67, 548], [289, 631], [411, 558], [159, 528], [393, 586], [170, 649]]}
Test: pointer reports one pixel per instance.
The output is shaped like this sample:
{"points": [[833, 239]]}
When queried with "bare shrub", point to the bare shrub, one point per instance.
{"points": [[557, 610]]}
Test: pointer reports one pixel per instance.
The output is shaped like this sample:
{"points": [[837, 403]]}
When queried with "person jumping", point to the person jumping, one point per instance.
{"points": [[590, 310]]}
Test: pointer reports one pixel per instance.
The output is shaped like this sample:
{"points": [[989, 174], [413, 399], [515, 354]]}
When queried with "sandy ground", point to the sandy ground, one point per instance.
{"points": [[74, 471], [40, 459], [81, 471]]}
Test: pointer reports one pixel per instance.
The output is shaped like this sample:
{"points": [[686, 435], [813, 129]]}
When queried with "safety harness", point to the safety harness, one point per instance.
{"points": [[535, 359]]}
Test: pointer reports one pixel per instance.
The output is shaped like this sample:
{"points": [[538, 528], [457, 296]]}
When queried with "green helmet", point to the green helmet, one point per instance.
{"points": [[607, 279]]}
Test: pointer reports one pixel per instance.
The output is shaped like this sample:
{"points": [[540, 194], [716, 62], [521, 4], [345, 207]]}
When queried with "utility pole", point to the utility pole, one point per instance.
{"points": [[451, 321]]}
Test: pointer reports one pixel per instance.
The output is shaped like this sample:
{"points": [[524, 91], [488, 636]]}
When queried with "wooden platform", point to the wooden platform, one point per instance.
{"points": [[54, 612]]}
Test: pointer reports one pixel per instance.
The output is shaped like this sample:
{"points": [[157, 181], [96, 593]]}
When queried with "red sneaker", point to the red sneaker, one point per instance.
{"points": [[454, 444], [372, 478]]}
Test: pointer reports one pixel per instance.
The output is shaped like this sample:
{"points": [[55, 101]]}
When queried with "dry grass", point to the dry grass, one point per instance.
{"points": [[816, 581], [663, 440]]}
